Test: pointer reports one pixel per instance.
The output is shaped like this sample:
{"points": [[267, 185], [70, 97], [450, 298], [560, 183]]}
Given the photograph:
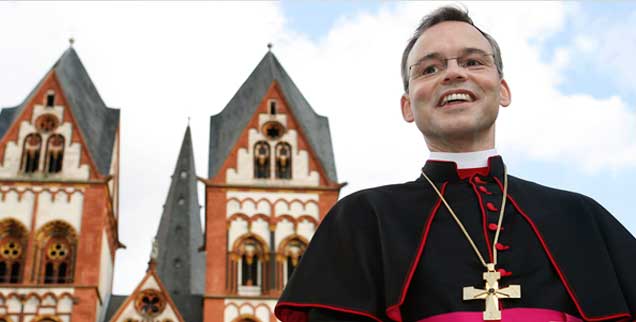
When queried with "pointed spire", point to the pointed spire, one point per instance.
{"points": [[179, 262]]}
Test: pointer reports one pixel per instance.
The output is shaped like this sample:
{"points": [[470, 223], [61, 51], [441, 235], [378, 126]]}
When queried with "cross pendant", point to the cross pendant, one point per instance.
{"points": [[492, 293]]}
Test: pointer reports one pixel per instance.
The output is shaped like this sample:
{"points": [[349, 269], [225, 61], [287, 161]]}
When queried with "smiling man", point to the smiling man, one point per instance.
{"points": [[465, 241]]}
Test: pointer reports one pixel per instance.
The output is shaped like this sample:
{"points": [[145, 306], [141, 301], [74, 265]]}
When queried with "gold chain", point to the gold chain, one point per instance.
{"points": [[470, 240]]}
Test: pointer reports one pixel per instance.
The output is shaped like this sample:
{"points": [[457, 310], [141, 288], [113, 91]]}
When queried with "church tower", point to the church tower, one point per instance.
{"points": [[59, 188], [272, 178]]}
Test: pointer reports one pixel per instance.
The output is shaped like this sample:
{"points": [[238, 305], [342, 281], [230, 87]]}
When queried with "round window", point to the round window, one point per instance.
{"points": [[273, 130], [46, 123], [150, 303]]}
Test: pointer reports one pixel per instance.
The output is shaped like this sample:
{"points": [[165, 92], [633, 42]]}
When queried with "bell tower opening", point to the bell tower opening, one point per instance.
{"points": [[50, 99]]}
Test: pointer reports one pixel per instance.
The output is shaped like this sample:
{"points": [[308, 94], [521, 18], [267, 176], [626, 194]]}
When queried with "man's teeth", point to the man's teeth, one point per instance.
{"points": [[456, 97]]}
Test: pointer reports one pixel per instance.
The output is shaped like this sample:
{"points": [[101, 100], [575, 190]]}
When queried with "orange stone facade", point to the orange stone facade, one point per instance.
{"points": [[59, 220]]}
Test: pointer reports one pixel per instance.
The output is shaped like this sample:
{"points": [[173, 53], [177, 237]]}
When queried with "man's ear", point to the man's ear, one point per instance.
{"points": [[407, 112], [504, 94]]}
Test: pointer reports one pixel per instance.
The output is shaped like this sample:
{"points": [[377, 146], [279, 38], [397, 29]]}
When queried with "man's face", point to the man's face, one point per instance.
{"points": [[464, 124]]}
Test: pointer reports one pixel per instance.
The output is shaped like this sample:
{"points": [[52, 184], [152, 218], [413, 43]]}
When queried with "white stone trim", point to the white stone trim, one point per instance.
{"points": [[260, 309], [244, 172]]}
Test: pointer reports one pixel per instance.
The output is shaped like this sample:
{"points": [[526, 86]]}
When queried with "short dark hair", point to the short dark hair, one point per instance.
{"points": [[440, 15]]}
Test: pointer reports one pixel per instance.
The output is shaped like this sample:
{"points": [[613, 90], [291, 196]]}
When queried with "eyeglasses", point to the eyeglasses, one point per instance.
{"points": [[434, 64]]}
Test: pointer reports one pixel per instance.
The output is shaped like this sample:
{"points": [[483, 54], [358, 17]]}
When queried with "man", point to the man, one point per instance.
{"points": [[464, 242]]}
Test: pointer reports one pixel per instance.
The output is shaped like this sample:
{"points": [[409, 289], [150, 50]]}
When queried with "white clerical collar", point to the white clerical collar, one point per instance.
{"points": [[465, 160]]}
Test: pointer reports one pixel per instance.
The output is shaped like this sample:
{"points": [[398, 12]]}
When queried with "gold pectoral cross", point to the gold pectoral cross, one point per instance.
{"points": [[491, 293]]}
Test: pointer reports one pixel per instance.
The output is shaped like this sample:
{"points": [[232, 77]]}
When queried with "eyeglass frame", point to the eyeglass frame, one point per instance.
{"points": [[466, 52]]}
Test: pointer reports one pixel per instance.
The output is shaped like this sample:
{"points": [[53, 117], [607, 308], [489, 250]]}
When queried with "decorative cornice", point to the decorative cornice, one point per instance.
{"points": [[270, 187]]}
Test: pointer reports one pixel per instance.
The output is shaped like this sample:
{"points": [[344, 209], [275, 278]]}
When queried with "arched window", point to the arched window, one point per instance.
{"points": [[46, 319], [57, 241], [12, 249], [283, 161], [261, 159], [31, 153], [249, 257], [54, 153], [246, 318], [292, 250]]}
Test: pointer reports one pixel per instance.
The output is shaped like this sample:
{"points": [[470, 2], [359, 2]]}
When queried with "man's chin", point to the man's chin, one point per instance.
{"points": [[459, 132]]}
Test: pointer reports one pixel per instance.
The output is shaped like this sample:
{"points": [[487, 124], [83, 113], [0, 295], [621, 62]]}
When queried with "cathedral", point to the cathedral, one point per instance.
{"points": [[271, 179]]}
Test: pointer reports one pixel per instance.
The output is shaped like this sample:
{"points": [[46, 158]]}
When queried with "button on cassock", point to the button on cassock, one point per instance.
{"points": [[485, 190], [501, 246]]}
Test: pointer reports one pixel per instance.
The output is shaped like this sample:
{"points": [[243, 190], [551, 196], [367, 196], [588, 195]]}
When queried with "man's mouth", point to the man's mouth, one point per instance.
{"points": [[453, 98]]}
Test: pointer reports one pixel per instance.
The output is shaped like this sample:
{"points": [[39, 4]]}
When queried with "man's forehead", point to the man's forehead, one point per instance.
{"points": [[449, 37]]}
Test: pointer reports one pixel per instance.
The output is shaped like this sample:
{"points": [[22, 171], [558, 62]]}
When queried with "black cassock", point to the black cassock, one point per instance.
{"points": [[394, 253]]}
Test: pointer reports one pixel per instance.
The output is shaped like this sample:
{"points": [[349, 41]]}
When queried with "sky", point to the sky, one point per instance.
{"points": [[571, 124]]}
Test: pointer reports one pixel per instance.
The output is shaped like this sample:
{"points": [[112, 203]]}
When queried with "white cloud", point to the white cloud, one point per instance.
{"points": [[161, 63], [585, 43]]}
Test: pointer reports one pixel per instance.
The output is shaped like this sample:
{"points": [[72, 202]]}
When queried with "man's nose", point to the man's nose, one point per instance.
{"points": [[454, 72]]}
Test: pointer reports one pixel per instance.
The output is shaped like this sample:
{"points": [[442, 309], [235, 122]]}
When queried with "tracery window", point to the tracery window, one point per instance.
{"points": [[283, 161], [273, 130], [54, 153], [292, 251], [57, 241], [150, 303], [12, 249], [251, 256], [46, 123], [58, 255], [262, 160], [31, 153], [248, 266]]}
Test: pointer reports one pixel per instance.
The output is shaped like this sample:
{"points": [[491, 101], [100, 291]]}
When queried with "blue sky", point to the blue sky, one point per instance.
{"points": [[316, 18], [588, 74]]}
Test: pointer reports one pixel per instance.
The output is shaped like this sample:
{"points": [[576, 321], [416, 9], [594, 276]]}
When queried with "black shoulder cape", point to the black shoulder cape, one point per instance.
{"points": [[364, 254]]}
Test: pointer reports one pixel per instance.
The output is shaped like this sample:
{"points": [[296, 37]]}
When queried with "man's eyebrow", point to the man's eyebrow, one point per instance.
{"points": [[433, 55], [471, 50]]}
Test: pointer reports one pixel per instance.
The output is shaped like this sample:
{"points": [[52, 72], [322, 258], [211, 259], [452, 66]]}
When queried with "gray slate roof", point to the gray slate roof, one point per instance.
{"points": [[97, 122], [190, 306], [226, 126], [180, 265], [114, 303]]}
